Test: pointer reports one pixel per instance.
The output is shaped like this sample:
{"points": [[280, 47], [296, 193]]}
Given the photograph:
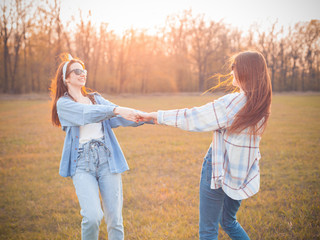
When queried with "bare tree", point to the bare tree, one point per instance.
{"points": [[85, 38], [235, 39], [124, 54], [284, 62], [268, 44], [295, 52], [180, 57], [96, 55], [206, 40], [111, 46], [22, 22], [6, 28], [312, 37], [177, 32]]}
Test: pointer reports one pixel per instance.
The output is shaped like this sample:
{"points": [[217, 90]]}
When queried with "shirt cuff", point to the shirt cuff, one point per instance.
{"points": [[160, 117], [111, 108]]}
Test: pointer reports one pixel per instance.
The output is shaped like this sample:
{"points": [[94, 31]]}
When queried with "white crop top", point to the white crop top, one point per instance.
{"points": [[90, 131]]}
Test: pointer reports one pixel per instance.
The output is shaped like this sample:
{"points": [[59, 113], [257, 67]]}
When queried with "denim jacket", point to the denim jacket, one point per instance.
{"points": [[73, 114]]}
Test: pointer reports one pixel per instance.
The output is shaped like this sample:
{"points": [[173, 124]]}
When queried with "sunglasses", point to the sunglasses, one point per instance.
{"points": [[232, 66], [78, 71]]}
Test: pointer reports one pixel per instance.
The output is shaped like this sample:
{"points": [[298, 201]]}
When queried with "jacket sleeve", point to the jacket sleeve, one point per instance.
{"points": [[209, 117], [104, 101], [72, 113], [120, 121]]}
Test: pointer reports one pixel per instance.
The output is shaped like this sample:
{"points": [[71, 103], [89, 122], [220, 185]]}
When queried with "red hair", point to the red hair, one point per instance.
{"points": [[251, 72], [58, 88]]}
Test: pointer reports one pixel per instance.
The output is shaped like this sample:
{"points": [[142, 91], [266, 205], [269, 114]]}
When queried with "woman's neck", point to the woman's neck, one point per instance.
{"points": [[75, 93]]}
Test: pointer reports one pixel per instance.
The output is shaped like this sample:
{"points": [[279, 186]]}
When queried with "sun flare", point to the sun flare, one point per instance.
{"points": [[147, 14]]}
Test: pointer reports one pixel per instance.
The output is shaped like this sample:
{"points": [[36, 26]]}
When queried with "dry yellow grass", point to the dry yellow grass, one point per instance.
{"points": [[161, 189]]}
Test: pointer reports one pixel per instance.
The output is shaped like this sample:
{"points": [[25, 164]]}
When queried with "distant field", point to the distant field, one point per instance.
{"points": [[161, 189]]}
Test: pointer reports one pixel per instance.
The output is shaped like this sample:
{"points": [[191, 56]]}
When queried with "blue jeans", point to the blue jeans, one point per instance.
{"points": [[93, 174], [216, 207]]}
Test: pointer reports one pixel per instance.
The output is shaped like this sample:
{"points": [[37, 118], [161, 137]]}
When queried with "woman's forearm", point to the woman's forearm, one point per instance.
{"points": [[127, 113]]}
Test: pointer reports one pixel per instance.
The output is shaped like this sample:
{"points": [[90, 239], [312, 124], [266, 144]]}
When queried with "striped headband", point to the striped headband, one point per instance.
{"points": [[64, 69]]}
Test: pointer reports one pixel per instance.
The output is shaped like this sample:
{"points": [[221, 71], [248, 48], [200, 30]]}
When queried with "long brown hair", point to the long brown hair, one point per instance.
{"points": [[252, 75], [58, 89]]}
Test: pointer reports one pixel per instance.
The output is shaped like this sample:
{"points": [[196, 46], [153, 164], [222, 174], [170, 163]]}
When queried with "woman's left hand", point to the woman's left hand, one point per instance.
{"points": [[148, 116], [127, 113]]}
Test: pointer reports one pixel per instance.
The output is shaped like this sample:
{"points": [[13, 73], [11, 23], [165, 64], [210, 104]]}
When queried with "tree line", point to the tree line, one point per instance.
{"points": [[182, 56]]}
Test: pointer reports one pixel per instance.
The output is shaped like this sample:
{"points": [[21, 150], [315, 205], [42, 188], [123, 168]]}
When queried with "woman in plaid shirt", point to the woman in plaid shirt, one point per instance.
{"points": [[230, 170]]}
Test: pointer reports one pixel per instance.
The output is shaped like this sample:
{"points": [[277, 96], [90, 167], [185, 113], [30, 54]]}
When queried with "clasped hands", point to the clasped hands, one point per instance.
{"points": [[135, 115]]}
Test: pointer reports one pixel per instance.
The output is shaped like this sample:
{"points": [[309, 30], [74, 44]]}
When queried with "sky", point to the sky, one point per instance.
{"points": [[147, 14]]}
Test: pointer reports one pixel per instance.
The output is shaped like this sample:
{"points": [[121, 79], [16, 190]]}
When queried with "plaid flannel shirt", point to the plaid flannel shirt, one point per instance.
{"points": [[235, 157]]}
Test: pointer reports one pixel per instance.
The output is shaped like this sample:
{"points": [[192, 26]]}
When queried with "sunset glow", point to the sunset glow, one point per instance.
{"points": [[148, 14]]}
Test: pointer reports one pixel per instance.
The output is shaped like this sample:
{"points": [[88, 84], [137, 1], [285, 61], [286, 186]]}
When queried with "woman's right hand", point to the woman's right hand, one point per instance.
{"points": [[127, 113], [152, 116]]}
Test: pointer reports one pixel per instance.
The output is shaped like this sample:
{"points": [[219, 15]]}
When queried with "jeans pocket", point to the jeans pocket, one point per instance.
{"points": [[104, 155], [206, 172], [80, 158], [80, 153], [209, 171]]}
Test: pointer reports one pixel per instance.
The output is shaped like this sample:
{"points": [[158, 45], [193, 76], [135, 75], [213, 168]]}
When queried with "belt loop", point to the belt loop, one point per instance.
{"points": [[87, 155]]}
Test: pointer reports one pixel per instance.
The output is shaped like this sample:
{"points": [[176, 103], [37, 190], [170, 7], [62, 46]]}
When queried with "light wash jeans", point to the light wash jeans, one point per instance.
{"points": [[215, 207], [93, 174]]}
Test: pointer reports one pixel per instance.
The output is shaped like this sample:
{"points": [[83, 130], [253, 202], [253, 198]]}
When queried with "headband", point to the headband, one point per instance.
{"points": [[64, 69]]}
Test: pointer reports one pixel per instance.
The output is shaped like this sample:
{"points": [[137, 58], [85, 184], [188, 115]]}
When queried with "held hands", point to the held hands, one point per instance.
{"points": [[134, 115], [143, 116], [127, 113]]}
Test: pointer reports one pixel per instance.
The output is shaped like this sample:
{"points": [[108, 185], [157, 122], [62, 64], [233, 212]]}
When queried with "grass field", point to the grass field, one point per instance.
{"points": [[161, 189]]}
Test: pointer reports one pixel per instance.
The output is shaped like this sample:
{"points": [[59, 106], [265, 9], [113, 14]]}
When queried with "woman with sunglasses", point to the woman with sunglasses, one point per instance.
{"points": [[91, 155]]}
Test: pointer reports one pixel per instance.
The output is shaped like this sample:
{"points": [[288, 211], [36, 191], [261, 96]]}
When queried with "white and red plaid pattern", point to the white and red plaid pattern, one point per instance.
{"points": [[235, 157]]}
